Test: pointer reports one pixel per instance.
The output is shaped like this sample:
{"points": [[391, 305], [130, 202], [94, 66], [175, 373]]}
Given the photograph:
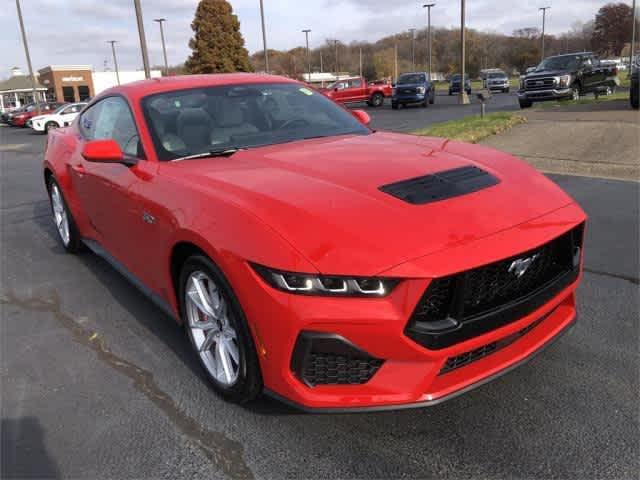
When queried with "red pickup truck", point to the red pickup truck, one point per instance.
{"points": [[356, 89]]}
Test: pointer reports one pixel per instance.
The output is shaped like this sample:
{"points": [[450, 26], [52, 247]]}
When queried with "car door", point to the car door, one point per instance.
{"points": [[103, 188], [357, 91], [341, 92], [589, 75]]}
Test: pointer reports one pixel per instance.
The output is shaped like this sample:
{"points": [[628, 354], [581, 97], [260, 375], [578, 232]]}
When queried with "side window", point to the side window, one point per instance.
{"points": [[87, 121], [115, 121], [357, 83]]}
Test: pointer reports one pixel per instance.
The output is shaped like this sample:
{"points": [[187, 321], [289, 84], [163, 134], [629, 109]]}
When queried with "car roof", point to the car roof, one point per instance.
{"points": [[143, 88]]}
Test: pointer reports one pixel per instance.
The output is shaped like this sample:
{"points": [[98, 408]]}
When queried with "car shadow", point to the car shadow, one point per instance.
{"points": [[147, 314], [23, 450]]}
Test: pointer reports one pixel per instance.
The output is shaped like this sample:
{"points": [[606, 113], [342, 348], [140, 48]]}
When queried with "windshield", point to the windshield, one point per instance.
{"points": [[213, 119], [411, 78], [457, 77], [565, 62], [497, 75], [60, 108]]}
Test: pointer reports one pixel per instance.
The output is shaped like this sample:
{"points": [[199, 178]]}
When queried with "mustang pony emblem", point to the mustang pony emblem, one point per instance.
{"points": [[520, 266]]}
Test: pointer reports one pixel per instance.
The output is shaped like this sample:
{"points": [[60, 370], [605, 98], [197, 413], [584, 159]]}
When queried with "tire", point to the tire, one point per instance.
{"points": [[62, 218], [450, 93], [575, 92], [394, 105], [525, 103], [506, 90], [634, 98], [238, 379], [377, 99], [425, 103], [432, 99], [50, 126]]}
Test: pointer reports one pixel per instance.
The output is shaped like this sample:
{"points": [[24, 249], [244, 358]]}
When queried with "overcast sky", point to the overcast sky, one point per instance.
{"points": [[76, 31]]}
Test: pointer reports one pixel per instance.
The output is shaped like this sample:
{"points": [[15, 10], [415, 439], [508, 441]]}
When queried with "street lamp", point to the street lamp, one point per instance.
{"points": [[335, 43], [544, 15], [428, 7], [164, 48], [463, 99], [306, 35], [26, 51], [143, 39], [115, 61], [264, 39], [413, 49], [633, 35]]}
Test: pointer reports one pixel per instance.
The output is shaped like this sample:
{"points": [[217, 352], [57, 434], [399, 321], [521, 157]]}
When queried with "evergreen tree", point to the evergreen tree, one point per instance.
{"points": [[217, 44]]}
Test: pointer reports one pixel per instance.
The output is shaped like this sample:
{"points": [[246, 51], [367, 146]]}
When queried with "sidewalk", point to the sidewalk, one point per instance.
{"points": [[600, 140]]}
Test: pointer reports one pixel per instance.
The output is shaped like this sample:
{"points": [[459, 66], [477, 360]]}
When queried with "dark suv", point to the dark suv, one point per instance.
{"points": [[413, 88], [455, 82], [567, 77]]}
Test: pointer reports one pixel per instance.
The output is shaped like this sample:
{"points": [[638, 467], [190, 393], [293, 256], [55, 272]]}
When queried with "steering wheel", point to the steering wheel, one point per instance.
{"points": [[293, 121]]}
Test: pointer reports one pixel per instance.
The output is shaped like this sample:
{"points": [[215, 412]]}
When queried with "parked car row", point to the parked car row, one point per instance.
{"points": [[52, 115]]}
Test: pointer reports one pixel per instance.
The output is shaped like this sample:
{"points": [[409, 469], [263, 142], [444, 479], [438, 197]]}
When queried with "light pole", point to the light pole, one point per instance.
{"points": [[544, 17], [164, 48], [306, 35], [360, 61], [463, 99], [633, 34], [413, 49], [335, 43], [264, 39], [115, 60], [143, 39], [428, 7], [26, 51]]}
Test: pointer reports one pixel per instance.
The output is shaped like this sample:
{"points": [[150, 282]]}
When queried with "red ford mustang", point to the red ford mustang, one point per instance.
{"points": [[308, 256]]}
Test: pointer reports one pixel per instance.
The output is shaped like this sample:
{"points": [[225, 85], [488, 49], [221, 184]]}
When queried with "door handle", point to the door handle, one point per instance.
{"points": [[78, 170]]}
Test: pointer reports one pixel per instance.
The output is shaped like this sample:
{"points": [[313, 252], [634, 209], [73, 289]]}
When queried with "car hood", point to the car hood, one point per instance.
{"points": [[40, 117], [546, 73], [323, 196]]}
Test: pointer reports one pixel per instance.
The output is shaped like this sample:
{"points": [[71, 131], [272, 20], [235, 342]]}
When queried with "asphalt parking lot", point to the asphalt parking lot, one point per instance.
{"points": [[98, 383], [415, 116]]}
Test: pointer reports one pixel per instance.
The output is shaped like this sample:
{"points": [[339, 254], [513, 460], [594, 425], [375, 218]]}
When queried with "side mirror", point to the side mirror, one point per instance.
{"points": [[362, 116], [393, 84], [336, 89], [102, 151]]}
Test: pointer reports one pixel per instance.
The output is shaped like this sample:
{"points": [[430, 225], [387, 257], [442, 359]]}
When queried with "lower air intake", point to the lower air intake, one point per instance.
{"points": [[328, 359]]}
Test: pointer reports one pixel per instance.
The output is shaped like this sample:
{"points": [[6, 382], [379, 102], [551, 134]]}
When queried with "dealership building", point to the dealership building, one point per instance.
{"points": [[62, 83]]}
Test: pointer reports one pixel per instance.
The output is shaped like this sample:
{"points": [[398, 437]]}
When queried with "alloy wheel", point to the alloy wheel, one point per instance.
{"points": [[575, 94], [210, 329], [60, 216]]}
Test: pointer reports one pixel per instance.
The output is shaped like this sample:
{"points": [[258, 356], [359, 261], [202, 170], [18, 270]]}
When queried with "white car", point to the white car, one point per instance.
{"points": [[61, 117]]}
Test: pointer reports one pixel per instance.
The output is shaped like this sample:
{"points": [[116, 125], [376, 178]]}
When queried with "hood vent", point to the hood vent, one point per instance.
{"points": [[441, 185]]}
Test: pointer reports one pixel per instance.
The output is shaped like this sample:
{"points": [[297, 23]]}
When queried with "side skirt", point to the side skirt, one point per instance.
{"points": [[99, 250]]}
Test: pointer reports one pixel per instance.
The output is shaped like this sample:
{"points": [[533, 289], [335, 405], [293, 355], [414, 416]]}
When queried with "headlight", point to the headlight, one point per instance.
{"points": [[564, 80], [326, 285], [421, 90]]}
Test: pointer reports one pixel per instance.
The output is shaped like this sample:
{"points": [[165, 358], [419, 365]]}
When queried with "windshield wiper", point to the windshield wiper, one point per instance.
{"points": [[227, 152]]}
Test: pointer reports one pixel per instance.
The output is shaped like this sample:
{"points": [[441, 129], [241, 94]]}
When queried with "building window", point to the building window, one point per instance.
{"points": [[83, 92], [68, 95]]}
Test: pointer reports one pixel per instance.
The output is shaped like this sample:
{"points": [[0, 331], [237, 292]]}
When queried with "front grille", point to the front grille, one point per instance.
{"points": [[328, 369], [327, 359], [470, 303], [539, 84]]}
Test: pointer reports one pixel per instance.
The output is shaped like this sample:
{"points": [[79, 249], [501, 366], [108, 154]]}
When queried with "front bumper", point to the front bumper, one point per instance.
{"points": [[406, 99], [498, 86], [542, 95], [411, 375]]}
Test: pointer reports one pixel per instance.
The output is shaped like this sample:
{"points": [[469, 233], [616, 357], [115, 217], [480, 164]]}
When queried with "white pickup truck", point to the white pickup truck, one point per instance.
{"points": [[61, 117]]}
